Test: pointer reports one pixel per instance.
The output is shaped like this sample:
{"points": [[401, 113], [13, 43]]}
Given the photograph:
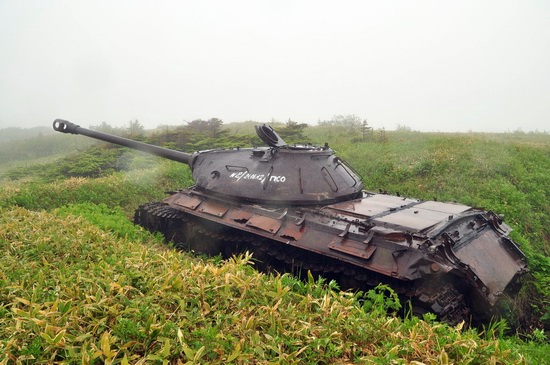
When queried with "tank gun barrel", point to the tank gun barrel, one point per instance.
{"points": [[64, 126]]}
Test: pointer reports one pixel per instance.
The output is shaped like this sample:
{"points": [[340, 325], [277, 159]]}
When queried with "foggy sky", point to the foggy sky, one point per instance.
{"points": [[429, 65]]}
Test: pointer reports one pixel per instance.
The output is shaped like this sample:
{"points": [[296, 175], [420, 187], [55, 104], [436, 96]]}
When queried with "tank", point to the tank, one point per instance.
{"points": [[300, 209]]}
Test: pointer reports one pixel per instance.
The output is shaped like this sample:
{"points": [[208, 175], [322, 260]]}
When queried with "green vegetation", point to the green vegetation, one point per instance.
{"points": [[25, 148], [80, 284], [76, 293]]}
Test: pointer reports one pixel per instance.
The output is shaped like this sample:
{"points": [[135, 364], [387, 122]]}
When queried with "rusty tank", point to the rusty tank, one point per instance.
{"points": [[300, 208]]}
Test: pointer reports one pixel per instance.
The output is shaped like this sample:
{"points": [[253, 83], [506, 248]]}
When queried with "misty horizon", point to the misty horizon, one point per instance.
{"points": [[430, 66]]}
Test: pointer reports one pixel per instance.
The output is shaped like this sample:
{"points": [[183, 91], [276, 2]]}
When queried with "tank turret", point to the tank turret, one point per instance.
{"points": [[278, 174]]}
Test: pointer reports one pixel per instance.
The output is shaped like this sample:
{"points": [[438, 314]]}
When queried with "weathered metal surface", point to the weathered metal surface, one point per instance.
{"points": [[492, 262], [293, 231], [372, 205], [213, 208], [354, 248], [266, 224], [187, 201]]}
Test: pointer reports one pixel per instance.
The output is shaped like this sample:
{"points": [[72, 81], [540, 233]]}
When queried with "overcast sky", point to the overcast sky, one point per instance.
{"points": [[429, 65]]}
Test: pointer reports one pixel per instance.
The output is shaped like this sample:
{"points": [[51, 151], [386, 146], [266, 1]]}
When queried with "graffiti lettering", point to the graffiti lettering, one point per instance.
{"points": [[277, 178], [243, 175]]}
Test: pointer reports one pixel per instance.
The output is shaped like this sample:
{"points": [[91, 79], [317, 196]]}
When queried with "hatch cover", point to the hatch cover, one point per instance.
{"points": [[187, 201], [354, 248], [267, 224], [213, 208], [293, 231], [239, 215]]}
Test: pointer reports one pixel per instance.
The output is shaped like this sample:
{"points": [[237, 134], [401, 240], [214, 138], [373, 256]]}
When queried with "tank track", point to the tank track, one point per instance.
{"points": [[189, 233]]}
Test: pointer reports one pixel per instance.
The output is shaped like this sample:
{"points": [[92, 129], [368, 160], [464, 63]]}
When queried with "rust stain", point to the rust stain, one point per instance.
{"points": [[267, 224], [351, 247], [213, 208], [188, 202]]}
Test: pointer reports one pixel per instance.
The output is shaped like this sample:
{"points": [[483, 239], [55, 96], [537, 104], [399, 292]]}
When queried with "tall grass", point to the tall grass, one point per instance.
{"points": [[123, 189], [73, 293]]}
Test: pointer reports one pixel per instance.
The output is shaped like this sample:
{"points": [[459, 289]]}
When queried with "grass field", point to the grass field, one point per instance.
{"points": [[80, 284]]}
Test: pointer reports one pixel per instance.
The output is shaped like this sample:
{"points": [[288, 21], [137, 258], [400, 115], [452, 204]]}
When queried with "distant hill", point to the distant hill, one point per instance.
{"points": [[16, 134], [19, 145]]}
